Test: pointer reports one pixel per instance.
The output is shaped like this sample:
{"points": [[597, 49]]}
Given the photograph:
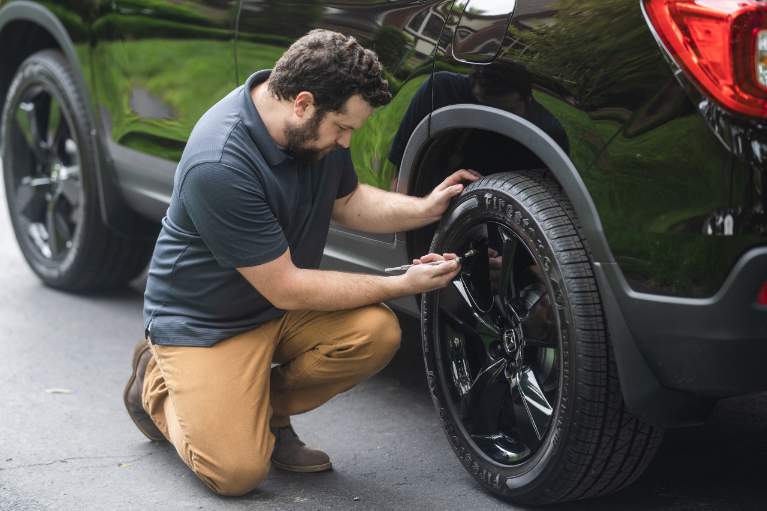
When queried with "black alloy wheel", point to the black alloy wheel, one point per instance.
{"points": [[50, 182], [46, 174], [519, 365], [499, 351]]}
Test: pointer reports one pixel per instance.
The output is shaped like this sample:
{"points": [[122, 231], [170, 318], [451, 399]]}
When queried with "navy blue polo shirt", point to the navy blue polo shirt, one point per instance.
{"points": [[238, 200]]}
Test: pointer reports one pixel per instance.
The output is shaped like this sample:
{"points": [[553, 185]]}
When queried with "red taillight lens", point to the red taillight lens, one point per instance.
{"points": [[762, 297], [722, 47]]}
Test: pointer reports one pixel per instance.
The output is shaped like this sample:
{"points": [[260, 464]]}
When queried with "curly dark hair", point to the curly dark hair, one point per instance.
{"points": [[333, 67], [501, 78]]}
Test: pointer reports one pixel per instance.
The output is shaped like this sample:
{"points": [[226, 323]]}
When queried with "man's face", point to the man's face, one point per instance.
{"points": [[513, 103], [313, 137]]}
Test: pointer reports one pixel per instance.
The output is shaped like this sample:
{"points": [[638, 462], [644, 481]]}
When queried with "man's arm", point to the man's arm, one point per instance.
{"points": [[291, 288], [372, 210]]}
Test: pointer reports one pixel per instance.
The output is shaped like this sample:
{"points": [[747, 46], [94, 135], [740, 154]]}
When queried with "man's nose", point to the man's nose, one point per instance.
{"points": [[344, 140]]}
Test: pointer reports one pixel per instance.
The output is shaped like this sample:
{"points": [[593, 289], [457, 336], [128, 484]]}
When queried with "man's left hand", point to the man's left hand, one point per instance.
{"points": [[437, 202]]}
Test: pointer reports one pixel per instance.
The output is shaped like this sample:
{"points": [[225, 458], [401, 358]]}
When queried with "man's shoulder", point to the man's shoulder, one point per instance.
{"points": [[213, 132]]}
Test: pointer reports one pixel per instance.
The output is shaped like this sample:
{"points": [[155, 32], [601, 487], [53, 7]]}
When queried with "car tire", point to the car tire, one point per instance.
{"points": [[49, 167], [518, 359]]}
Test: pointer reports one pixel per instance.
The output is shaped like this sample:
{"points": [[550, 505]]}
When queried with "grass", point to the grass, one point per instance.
{"points": [[371, 143], [189, 76]]}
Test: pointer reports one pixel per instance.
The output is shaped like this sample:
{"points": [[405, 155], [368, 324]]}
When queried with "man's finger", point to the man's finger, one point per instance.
{"points": [[431, 257], [441, 269], [450, 192]]}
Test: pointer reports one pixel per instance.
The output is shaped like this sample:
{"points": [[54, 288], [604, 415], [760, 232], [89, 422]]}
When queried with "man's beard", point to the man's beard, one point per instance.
{"points": [[299, 138]]}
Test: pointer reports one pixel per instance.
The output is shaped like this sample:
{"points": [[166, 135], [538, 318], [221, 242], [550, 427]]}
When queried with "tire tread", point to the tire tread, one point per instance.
{"points": [[608, 448]]}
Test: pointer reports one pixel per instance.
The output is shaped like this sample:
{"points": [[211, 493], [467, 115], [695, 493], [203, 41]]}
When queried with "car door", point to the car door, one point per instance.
{"points": [[157, 68]]}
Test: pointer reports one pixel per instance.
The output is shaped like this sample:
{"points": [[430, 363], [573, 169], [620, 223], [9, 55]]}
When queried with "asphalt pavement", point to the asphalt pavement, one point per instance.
{"points": [[80, 450]]}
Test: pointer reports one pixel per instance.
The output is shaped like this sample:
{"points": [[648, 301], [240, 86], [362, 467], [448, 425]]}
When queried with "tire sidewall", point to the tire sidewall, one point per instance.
{"points": [[48, 68], [477, 204]]}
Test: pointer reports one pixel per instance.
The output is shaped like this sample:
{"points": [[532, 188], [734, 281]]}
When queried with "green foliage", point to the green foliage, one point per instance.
{"points": [[72, 21], [371, 143], [155, 9], [390, 43], [647, 190], [597, 48], [441, 65], [290, 18], [189, 76], [585, 140], [692, 265]]}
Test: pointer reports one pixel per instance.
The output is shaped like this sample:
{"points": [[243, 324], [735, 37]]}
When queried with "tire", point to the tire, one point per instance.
{"points": [[49, 167], [518, 360]]}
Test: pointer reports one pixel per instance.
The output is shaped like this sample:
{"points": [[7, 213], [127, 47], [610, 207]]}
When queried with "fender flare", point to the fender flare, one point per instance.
{"points": [[643, 394], [535, 139], [115, 212]]}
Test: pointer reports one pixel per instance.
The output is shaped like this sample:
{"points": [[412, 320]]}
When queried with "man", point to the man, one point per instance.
{"points": [[234, 286]]}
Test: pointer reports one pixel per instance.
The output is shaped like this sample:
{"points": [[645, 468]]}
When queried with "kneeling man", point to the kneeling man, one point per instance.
{"points": [[234, 284]]}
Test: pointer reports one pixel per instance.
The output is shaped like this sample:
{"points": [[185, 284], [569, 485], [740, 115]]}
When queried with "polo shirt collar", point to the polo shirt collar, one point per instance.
{"points": [[271, 152]]}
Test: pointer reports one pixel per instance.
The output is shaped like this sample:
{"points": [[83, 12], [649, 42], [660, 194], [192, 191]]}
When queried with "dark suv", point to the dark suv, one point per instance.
{"points": [[619, 282]]}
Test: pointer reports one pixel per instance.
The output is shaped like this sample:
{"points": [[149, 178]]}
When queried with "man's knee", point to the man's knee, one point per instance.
{"points": [[383, 332], [236, 477]]}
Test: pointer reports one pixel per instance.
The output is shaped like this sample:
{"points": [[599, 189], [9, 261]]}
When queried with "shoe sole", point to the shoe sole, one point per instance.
{"points": [[134, 363], [295, 468]]}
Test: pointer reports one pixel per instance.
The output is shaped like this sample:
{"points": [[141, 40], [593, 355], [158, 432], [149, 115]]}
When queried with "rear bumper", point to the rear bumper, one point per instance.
{"points": [[713, 347]]}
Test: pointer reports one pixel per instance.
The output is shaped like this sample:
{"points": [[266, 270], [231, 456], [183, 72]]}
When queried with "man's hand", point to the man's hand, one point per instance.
{"points": [[291, 288], [372, 210], [437, 202], [423, 278]]}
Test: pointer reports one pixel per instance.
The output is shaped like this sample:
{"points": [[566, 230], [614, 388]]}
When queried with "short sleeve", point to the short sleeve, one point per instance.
{"points": [[348, 182], [228, 208]]}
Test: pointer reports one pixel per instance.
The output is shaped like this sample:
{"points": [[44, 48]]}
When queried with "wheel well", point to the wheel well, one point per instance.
{"points": [[485, 151], [19, 39]]}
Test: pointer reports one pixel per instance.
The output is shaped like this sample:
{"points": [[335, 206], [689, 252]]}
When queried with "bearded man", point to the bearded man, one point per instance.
{"points": [[234, 284]]}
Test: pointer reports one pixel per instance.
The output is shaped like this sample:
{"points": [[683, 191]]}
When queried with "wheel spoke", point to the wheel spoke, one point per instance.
{"points": [[531, 409], [37, 113], [458, 310], [25, 123], [58, 232], [455, 354], [509, 244], [56, 127], [69, 178], [481, 406], [501, 447], [476, 274], [538, 328], [27, 191]]}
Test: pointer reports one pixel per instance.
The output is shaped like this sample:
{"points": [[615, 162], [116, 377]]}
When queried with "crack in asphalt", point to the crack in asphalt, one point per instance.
{"points": [[63, 460]]}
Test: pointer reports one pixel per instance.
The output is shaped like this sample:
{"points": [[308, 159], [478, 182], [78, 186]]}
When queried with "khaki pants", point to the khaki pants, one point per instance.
{"points": [[216, 404]]}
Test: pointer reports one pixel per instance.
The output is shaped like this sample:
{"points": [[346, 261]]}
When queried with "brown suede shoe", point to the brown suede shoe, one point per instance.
{"points": [[134, 390], [291, 454]]}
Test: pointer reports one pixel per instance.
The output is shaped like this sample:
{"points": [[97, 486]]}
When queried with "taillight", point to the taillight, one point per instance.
{"points": [[762, 297], [721, 45]]}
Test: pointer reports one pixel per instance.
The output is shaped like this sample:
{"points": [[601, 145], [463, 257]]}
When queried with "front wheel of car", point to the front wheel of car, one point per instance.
{"points": [[49, 166], [518, 360]]}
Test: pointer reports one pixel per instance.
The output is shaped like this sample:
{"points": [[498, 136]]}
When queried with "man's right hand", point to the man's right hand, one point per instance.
{"points": [[423, 278]]}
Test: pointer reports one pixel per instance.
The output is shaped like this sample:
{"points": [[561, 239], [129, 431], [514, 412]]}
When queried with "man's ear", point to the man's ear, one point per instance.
{"points": [[529, 98], [302, 103]]}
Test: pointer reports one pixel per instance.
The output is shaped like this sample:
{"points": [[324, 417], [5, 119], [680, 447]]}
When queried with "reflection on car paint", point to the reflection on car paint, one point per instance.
{"points": [[678, 183]]}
